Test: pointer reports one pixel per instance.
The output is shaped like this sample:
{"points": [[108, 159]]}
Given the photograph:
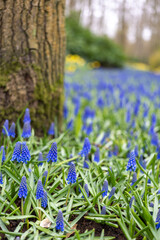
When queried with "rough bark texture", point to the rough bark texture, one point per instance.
{"points": [[32, 51]]}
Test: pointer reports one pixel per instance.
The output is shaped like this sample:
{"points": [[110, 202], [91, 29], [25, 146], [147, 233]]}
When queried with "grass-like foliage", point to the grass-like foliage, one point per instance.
{"points": [[104, 167]]}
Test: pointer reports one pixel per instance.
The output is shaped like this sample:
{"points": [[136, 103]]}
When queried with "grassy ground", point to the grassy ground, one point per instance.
{"points": [[118, 110]]}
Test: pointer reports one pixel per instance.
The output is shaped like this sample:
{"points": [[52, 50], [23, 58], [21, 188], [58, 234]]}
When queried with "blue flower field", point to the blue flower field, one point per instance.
{"points": [[97, 179]]}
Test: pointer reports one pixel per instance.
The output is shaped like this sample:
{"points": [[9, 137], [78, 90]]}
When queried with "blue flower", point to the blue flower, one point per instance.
{"points": [[100, 102], [44, 200], [3, 154], [86, 148], [131, 201], [1, 178], [86, 190], [115, 150], [134, 179], [39, 192], [23, 188], [153, 119], [136, 151], [60, 222], [105, 188], [51, 129], [89, 129], [52, 155], [131, 166], [70, 125], [158, 153], [151, 204], [97, 156], [158, 220], [71, 178], [65, 111], [5, 128], [109, 153], [17, 152], [85, 164], [128, 116], [27, 116], [103, 212], [112, 192], [40, 158], [25, 154], [26, 130], [154, 139], [12, 130]]}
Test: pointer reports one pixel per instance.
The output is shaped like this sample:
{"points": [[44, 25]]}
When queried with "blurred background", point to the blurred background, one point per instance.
{"points": [[114, 33]]}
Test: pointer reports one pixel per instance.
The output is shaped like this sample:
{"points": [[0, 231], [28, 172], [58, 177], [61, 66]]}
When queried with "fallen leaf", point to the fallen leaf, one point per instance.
{"points": [[46, 223], [69, 234]]}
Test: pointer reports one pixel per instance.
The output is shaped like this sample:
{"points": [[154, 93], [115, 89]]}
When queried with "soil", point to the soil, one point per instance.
{"points": [[86, 224]]}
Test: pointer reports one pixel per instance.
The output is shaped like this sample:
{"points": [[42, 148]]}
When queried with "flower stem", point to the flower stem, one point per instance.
{"points": [[22, 210], [68, 194], [39, 205]]}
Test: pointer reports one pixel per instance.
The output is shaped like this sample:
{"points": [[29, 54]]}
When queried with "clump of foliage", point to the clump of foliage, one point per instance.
{"points": [[83, 42]]}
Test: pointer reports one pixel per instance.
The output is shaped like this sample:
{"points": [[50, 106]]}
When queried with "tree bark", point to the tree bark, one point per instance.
{"points": [[32, 53]]}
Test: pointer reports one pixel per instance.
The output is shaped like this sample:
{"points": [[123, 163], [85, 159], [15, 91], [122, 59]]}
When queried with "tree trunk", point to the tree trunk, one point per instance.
{"points": [[32, 53]]}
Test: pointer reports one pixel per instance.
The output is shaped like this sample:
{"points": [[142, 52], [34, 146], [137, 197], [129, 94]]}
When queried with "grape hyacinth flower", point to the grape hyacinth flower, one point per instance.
{"points": [[131, 201], [128, 116], [60, 222], [112, 192], [25, 154], [97, 156], [3, 154], [26, 130], [86, 148], [89, 129], [52, 155], [44, 200], [134, 179], [23, 188], [103, 211], [27, 116], [158, 152], [70, 125], [154, 139], [51, 129], [153, 119], [39, 192], [136, 151], [17, 152], [86, 190], [40, 159], [71, 178], [12, 130], [5, 128], [158, 220], [65, 111], [85, 164], [105, 188], [1, 178], [131, 166]]}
